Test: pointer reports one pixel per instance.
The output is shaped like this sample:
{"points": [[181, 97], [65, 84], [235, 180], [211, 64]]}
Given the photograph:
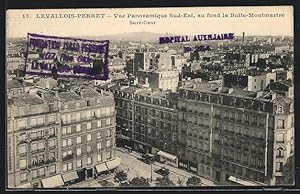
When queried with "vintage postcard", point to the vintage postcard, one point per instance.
{"points": [[150, 97]]}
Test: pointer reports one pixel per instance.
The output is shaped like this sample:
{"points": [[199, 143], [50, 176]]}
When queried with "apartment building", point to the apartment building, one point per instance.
{"points": [[236, 137], [87, 140], [146, 119], [56, 138], [33, 139]]}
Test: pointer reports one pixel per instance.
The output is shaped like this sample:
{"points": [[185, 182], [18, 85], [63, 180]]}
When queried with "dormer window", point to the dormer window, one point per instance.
{"points": [[279, 109]]}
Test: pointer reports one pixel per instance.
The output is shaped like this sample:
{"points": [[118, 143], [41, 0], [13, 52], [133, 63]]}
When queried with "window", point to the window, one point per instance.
{"points": [[280, 124], [247, 118], [88, 126], [99, 135], [89, 160], [65, 154], [69, 142], [70, 152], [41, 145], [40, 120], [78, 128], [51, 131], [78, 152], [70, 166], [99, 124], [79, 163], [52, 169], [279, 166], [34, 146], [88, 114], [280, 138], [52, 143], [22, 137], [99, 157], [23, 177], [22, 149], [108, 155], [279, 109], [41, 171], [280, 152], [64, 131], [99, 146], [69, 130], [52, 156], [88, 148], [78, 116], [23, 163], [78, 140], [34, 174], [64, 143], [108, 143], [65, 167], [108, 133], [33, 122], [108, 121], [89, 137], [51, 119], [21, 123]]}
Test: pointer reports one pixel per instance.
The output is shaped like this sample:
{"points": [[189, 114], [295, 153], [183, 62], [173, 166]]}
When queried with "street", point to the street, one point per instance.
{"points": [[138, 168]]}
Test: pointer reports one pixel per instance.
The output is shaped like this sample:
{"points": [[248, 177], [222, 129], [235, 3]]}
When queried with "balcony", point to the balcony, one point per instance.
{"points": [[68, 157]]}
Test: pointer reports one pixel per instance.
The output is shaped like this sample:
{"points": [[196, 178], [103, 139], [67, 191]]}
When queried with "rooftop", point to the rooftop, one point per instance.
{"points": [[89, 93], [31, 99], [14, 84], [68, 96]]}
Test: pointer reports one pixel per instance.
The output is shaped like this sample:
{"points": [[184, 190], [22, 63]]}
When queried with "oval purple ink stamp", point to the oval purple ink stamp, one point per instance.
{"points": [[66, 57]]}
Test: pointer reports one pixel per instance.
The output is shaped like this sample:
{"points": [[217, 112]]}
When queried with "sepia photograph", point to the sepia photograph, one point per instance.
{"points": [[122, 98]]}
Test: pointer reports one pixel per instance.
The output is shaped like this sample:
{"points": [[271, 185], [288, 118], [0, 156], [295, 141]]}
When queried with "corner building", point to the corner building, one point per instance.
{"points": [[236, 137], [33, 130]]}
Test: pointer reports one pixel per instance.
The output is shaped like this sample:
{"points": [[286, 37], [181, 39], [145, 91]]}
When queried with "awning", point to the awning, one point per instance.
{"points": [[52, 182], [25, 186], [70, 176], [113, 163], [242, 182], [125, 137], [166, 155], [101, 167]]}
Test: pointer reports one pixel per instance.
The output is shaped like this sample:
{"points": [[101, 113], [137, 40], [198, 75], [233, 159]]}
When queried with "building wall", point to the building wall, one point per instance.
{"points": [[225, 140], [88, 133], [34, 142]]}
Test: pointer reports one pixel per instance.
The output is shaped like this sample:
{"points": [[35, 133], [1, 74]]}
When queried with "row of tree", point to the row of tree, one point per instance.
{"points": [[122, 179]]}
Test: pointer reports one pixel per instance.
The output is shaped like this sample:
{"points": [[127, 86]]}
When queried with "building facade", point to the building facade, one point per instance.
{"points": [[33, 139], [229, 137], [146, 119], [57, 138]]}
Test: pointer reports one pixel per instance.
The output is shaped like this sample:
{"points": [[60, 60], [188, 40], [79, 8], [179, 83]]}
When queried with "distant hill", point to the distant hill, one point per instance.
{"points": [[133, 36]]}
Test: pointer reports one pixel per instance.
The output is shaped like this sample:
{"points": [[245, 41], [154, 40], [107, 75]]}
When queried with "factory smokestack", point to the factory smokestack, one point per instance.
{"points": [[243, 39]]}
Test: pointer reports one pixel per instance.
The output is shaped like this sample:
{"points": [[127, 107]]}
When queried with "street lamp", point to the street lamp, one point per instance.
{"points": [[151, 170]]}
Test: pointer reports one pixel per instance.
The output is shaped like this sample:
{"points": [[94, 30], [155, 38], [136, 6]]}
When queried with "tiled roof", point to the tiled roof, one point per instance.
{"points": [[30, 99], [283, 100], [14, 84], [89, 93], [130, 89], [243, 94], [49, 96], [287, 83], [68, 96], [115, 87]]}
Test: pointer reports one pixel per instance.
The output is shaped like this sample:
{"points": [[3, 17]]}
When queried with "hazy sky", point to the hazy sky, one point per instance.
{"points": [[17, 26]]}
